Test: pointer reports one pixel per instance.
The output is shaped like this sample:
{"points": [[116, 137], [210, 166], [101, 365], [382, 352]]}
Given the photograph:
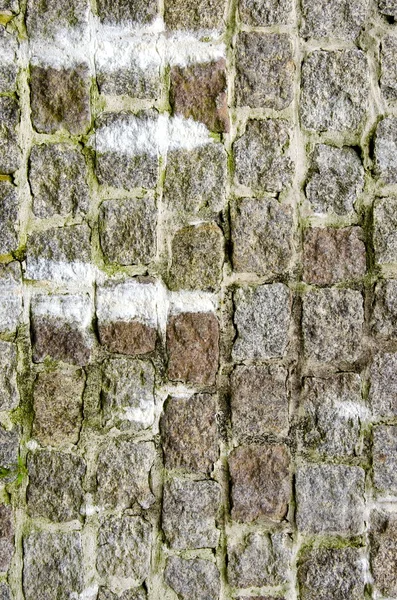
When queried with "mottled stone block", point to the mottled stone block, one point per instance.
{"points": [[261, 485], [9, 221], [52, 565], [385, 230], [264, 70], [193, 579], [10, 296], [9, 453], [388, 9], [7, 531], [341, 19], [384, 321], [5, 592], [335, 87], [331, 255], [138, 12], [267, 12], [9, 395], [330, 499], [385, 150], [259, 401], [8, 60], [197, 257], [193, 348], [42, 18], [385, 458], [127, 230], [58, 180], [262, 318], [333, 324], [10, 154], [383, 550], [136, 594], [189, 433], [9, 5], [383, 390], [388, 80], [261, 236], [123, 474], [194, 15], [133, 338]]}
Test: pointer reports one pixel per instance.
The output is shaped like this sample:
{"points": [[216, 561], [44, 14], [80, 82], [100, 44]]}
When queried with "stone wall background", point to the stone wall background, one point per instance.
{"points": [[198, 315]]}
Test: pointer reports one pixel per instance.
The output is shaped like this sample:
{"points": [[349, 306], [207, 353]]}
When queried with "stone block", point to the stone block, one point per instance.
{"points": [[385, 459], [384, 320], [9, 5], [339, 19], [7, 532], [43, 18], [388, 80], [383, 550], [383, 390], [9, 395], [117, 12], [388, 9], [193, 15], [193, 579], [9, 453], [8, 60], [385, 230], [385, 149], [9, 221], [10, 296], [135, 594], [10, 154], [268, 12]]}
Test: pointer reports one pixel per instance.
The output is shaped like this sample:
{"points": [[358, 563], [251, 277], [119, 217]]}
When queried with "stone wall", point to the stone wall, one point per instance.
{"points": [[198, 299]]}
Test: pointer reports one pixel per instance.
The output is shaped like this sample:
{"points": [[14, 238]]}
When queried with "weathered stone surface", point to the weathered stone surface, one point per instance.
{"points": [[123, 474], [333, 324], [193, 15], [58, 407], [336, 19], [331, 255], [385, 230], [385, 458], [5, 592], [189, 513], [53, 566], [383, 390], [10, 296], [261, 236], [385, 150], [259, 559], [127, 74], [139, 12], [331, 413], [55, 489], [127, 230], [197, 257], [9, 395], [11, 5], [261, 156], [265, 70], [8, 217], [136, 594], [388, 80], [193, 579], [193, 348], [388, 9], [9, 453], [10, 154], [199, 92], [124, 548], [195, 181], [335, 88], [259, 401], [262, 319], [189, 433], [330, 499], [43, 17], [336, 573], [261, 485], [383, 549], [384, 320], [6, 538], [58, 180], [132, 337], [267, 12], [8, 60]]}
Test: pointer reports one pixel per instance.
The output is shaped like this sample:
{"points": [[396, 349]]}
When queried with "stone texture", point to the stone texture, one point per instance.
{"points": [[5, 592], [261, 156], [123, 474], [58, 407], [388, 80], [330, 499], [332, 411], [198, 92], [193, 348], [189, 433], [197, 257], [189, 514], [267, 12], [384, 321], [259, 401], [385, 458], [52, 566], [332, 573], [388, 9], [10, 154], [385, 230], [333, 325], [383, 549], [8, 60], [133, 338], [43, 17], [8, 217], [264, 70], [259, 559], [124, 548], [335, 90], [55, 489], [9, 453], [136, 594], [194, 15], [193, 579], [383, 390], [331, 255], [9, 5], [260, 480], [261, 236], [341, 19], [261, 317], [129, 78], [335, 179], [6, 538], [10, 296], [138, 12], [58, 180], [9, 395], [127, 230], [385, 149]]}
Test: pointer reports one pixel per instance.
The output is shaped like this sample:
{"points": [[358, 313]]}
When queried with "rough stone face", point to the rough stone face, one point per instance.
{"points": [[259, 559], [388, 80], [8, 63], [128, 79], [189, 513], [42, 18], [331, 413], [5, 592], [265, 70], [334, 90], [268, 12], [127, 11], [385, 230], [383, 390], [331, 255], [9, 453], [261, 156], [133, 338], [9, 395], [11, 5], [335, 573], [260, 482], [388, 9], [137, 594], [383, 549], [10, 154], [58, 407], [10, 296], [335, 179], [189, 433], [385, 458], [259, 401], [332, 324], [58, 180], [262, 319], [52, 566], [261, 236], [55, 489], [127, 230], [197, 257], [193, 579], [123, 474], [330, 499], [199, 92], [385, 312], [193, 15], [336, 19], [6, 538], [193, 348], [385, 150], [8, 217]]}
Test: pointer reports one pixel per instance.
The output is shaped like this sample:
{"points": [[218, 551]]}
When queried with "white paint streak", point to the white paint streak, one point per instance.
{"points": [[127, 301], [66, 49], [8, 49], [186, 48], [68, 307], [143, 413], [60, 271], [185, 301], [352, 410]]}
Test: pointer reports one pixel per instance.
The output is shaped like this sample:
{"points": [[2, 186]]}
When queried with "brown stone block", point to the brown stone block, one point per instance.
{"points": [[60, 340], [130, 337]]}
